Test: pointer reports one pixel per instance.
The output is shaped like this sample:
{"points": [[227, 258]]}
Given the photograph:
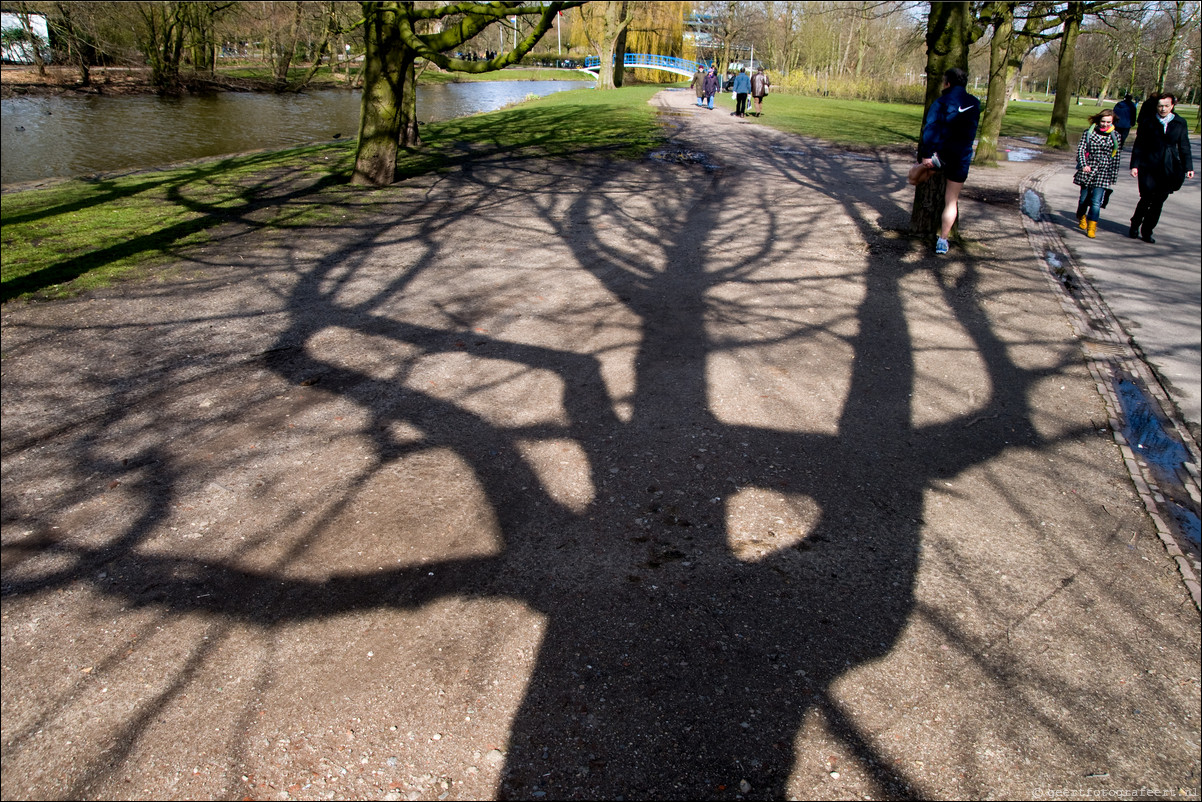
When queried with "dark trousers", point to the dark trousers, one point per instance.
{"points": [[1122, 135], [741, 104], [1147, 211]]}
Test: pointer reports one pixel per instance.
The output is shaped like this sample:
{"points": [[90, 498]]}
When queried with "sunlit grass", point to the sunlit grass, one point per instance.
{"points": [[859, 122], [87, 233]]}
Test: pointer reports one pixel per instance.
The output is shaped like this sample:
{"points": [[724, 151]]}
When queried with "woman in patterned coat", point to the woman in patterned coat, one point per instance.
{"points": [[1097, 169]]}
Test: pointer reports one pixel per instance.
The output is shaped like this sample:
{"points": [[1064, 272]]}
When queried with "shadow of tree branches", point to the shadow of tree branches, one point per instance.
{"points": [[727, 365]]}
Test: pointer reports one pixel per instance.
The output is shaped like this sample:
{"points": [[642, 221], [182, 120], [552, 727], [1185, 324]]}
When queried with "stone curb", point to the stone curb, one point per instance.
{"points": [[1109, 355]]}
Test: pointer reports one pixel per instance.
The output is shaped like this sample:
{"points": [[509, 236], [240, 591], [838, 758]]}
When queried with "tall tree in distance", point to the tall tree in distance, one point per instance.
{"points": [[161, 40], [1181, 16], [1008, 47], [1058, 129], [657, 28], [1072, 17]]}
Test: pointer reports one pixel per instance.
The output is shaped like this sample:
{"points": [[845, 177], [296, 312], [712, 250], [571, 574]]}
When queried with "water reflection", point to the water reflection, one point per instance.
{"points": [[45, 137]]}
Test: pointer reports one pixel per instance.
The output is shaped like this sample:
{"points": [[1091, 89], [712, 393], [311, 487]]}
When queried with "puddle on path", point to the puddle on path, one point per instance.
{"points": [[685, 157], [1152, 444], [1033, 205], [1021, 154]]}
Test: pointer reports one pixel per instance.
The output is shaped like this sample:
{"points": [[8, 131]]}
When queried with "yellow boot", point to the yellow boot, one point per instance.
{"points": [[1081, 222], [1092, 230]]}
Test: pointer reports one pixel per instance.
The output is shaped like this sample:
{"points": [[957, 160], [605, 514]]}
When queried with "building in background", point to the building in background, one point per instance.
{"points": [[20, 34]]}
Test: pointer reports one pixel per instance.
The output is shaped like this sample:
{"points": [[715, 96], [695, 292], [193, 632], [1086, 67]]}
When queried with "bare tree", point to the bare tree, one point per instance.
{"points": [[388, 119], [1008, 49], [603, 28], [1072, 17], [26, 39], [1181, 17]]}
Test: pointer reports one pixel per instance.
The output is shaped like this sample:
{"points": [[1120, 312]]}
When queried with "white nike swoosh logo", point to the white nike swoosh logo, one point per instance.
{"points": [[966, 108]]}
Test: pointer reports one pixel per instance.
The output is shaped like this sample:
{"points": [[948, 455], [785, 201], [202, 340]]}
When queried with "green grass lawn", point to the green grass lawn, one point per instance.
{"points": [[860, 122], [86, 233]]}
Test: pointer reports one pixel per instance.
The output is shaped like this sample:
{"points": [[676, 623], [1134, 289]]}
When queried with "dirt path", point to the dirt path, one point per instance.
{"points": [[585, 481]]}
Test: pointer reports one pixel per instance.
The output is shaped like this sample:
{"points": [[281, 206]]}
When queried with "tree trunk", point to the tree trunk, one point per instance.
{"points": [[1112, 68], [388, 116], [384, 75], [1058, 130], [70, 31], [322, 50], [620, 47], [287, 49], [947, 47], [998, 97], [613, 18]]}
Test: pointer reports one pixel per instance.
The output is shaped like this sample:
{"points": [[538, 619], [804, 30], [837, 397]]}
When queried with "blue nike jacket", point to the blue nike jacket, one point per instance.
{"points": [[949, 129]]}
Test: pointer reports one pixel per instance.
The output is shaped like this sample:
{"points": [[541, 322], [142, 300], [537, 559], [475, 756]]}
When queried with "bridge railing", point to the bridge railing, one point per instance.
{"points": [[651, 60]]}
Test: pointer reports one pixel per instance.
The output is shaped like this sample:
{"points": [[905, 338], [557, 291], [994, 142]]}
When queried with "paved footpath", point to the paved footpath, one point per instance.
{"points": [[1155, 289], [689, 478]]}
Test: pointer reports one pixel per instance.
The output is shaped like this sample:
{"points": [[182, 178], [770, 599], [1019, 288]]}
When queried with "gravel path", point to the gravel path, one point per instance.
{"points": [[687, 478]]}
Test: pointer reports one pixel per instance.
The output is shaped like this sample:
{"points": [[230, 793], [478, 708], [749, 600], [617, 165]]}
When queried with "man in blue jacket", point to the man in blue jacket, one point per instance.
{"points": [[1124, 117], [742, 89], [947, 137]]}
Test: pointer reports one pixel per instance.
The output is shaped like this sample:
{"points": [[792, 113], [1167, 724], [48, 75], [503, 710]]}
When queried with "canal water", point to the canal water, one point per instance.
{"points": [[63, 136]]}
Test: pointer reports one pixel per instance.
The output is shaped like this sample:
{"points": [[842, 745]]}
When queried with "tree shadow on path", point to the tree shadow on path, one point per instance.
{"points": [[739, 549]]}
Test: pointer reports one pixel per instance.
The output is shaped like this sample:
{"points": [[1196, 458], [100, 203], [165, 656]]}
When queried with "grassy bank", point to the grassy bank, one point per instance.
{"points": [[87, 233]]}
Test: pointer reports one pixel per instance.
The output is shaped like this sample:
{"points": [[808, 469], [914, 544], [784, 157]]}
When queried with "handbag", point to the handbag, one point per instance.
{"points": [[919, 174]]}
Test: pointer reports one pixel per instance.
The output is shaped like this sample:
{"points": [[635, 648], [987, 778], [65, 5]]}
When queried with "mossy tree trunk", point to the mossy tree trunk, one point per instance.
{"points": [[388, 114], [605, 25], [1001, 75], [384, 76], [1007, 51], [1058, 129], [619, 55]]}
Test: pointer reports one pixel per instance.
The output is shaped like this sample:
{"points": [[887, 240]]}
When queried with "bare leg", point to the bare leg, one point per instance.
{"points": [[951, 207]]}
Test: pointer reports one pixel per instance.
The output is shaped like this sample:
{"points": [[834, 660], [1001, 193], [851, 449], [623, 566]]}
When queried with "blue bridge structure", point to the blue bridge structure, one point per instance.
{"points": [[649, 61]]}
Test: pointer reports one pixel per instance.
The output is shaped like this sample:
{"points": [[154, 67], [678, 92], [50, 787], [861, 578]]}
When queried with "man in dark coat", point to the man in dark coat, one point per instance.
{"points": [[698, 85], [1124, 118], [742, 88], [1161, 161]]}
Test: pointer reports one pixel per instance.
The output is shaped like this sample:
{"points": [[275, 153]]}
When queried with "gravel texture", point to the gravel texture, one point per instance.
{"points": [[683, 478]]}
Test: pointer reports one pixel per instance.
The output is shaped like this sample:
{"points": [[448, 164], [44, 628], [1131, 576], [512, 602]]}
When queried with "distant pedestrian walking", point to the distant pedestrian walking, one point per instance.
{"points": [[947, 137], [1124, 118], [759, 90], [1097, 169], [698, 85], [1161, 161], [711, 87], [742, 88]]}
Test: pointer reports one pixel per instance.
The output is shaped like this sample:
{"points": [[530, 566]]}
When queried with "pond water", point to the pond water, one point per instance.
{"points": [[62, 136]]}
